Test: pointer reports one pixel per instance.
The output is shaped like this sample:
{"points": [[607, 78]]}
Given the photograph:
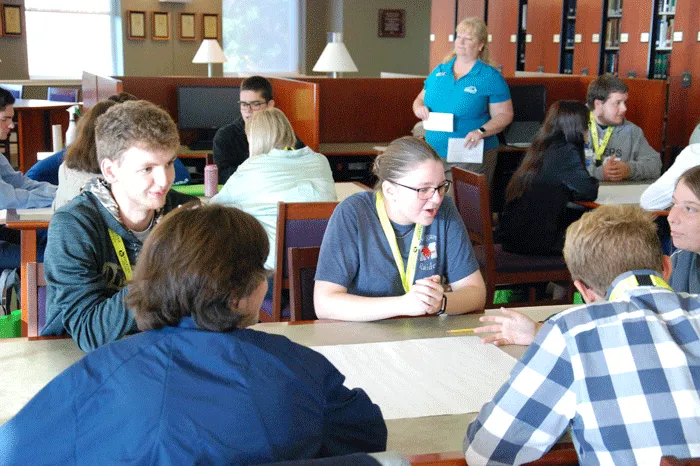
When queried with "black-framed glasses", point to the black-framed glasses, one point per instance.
{"points": [[256, 105], [426, 193]]}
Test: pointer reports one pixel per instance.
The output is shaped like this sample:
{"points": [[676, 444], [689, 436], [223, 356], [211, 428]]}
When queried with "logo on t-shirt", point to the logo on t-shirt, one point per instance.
{"points": [[470, 89], [428, 252]]}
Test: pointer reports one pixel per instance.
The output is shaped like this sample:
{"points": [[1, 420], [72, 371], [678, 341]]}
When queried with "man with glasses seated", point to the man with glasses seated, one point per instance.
{"points": [[400, 250], [230, 142]]}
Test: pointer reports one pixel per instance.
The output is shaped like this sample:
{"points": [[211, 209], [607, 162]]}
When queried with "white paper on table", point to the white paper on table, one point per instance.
{"points": [[427, 377], [439, 122], [457, 153]]}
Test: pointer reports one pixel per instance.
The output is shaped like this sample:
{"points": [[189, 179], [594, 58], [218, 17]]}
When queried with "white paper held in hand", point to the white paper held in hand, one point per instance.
{"points": [[439, 122], [457, 153]]}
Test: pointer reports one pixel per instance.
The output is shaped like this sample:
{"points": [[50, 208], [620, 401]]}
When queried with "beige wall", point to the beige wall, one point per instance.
{"points": [[166, 58], [373, 54], [357, 19], [13, 51]]}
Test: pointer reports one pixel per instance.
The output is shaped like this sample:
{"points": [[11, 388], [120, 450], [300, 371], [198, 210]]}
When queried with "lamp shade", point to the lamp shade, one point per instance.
{"points": [[209, 52], [335, 56]]}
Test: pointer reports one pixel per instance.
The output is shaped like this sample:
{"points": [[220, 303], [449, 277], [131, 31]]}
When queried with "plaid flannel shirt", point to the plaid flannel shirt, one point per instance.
{"points": [[623, 375]]}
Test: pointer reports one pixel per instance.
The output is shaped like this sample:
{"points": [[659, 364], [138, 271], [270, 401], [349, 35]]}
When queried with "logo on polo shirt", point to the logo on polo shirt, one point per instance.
{"points": [[441, 73], [470, 89]]}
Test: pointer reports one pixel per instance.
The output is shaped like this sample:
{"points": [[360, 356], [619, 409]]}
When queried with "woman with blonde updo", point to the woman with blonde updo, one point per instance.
{"points": [[361, 273]]}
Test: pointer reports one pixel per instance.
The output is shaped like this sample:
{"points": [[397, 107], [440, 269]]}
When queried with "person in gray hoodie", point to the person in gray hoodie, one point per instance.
{"points": [[94, 240]]}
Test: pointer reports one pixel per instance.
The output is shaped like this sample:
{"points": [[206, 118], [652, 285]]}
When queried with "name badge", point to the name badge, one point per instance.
{"points": [[470, 89]]}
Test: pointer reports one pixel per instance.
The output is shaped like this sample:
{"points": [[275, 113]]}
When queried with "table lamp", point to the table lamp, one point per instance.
{"points": [[209, 52], [335, 57]]}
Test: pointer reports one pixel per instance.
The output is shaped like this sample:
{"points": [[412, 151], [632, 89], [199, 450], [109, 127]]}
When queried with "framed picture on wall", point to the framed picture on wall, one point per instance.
{"points": [[210, 26], [12, 20], [137, 25], [392, 23], [187, 26], [160, 25]]}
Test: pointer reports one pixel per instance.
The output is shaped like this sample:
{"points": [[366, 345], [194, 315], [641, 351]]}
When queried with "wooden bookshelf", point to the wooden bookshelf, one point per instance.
{"points": [[634, 51], [568, 33], [684, 111], [663, 26], [610, 37]]}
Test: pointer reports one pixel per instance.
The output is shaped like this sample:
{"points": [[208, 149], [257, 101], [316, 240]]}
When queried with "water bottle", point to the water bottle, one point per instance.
{"points": [[211, 180], [72, 126]]}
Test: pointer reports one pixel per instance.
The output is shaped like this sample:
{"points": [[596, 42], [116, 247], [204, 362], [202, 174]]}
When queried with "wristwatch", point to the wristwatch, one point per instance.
{"points": [[444, 306], [482, 130]]}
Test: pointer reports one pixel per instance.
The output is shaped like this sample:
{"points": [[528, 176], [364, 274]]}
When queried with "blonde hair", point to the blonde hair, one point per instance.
{"points": [[269, 129], [400, 158], [609, 241], [478, 28]]}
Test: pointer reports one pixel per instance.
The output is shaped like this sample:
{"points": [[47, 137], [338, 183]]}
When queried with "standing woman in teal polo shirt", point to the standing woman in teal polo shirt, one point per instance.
{"points": [[466, 86]]}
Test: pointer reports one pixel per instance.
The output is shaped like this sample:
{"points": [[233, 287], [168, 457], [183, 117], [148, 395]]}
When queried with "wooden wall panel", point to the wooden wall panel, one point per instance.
{"points": [[299, 101], [684, 103], [589, 16], [543, 21], [442, 24], [366, 109], [162, 91], [503, 21], [634, 55], [468, 8]]}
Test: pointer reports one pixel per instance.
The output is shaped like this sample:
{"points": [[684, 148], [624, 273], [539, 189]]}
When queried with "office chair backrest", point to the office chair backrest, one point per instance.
{"points": [[302, 272], [299, 224]]}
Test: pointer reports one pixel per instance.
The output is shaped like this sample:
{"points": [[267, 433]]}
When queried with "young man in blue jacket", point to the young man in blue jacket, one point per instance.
{"points": [[95, 239], [16, 190]]}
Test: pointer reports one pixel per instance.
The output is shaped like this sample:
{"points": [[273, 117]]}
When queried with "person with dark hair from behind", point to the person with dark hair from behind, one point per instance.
{"points": [[230, 141], [94, 239], [197, 386], [552, 173], [621, 371], [619, 149], [16, 190]]}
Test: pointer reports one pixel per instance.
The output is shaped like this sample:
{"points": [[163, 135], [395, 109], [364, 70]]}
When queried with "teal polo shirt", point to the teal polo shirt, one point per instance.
{"points": [[467, 99]]}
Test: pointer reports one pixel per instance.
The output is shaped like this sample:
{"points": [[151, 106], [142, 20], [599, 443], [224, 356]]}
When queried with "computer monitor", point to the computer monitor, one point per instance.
{"points": [[529, 102], [206, 109]]}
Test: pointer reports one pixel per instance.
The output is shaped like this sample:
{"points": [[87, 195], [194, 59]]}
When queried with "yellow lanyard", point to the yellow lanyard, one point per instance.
{"points": [[407, 275], [594, 135], [119, 248], [634, 281]]}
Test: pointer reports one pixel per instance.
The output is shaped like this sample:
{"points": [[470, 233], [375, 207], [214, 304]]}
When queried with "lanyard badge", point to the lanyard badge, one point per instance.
{"points": [[409, 273], [119, 248], [634, 281], [598, 147]]}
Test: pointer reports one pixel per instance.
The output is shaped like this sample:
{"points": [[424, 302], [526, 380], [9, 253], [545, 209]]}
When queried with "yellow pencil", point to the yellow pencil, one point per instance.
{"points": [[461, 330]]}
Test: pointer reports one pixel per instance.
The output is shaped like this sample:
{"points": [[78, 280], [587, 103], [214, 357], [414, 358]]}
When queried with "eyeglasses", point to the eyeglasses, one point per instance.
{"points": [[257, 105], [426, 193]]}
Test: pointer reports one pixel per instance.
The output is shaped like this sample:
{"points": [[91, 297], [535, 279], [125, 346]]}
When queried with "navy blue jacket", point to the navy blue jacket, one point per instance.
{"points": [[180, 395]]}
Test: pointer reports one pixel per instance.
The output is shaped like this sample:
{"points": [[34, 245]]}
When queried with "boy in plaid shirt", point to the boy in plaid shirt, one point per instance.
{"points": [[622, 371]]}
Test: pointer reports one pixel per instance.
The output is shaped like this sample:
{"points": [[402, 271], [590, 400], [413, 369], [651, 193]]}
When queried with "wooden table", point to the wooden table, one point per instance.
{"points": [[26, 366], [28, 221], [622, 192], [34, 120]]}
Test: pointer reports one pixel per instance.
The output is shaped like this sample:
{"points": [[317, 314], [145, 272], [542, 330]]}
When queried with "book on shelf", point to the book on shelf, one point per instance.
{"points": [[612, 33], [661, 64]]}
